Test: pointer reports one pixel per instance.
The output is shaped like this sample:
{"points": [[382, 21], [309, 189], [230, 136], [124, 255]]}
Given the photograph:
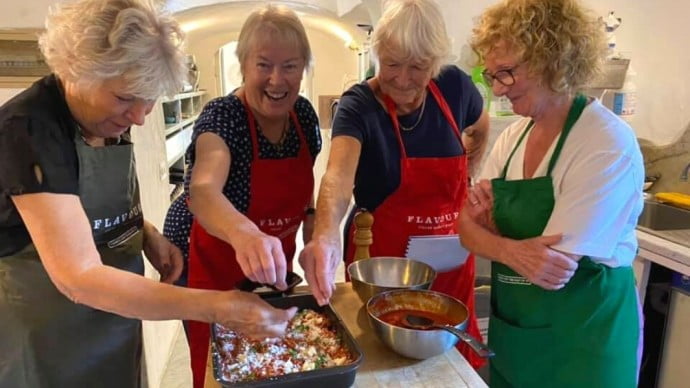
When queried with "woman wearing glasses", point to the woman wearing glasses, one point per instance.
{"points": [[405, 140], [559, 212]]}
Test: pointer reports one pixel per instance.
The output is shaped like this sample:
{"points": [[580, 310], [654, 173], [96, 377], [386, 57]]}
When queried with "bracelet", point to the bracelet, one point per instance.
{"points": [[310, 211]]}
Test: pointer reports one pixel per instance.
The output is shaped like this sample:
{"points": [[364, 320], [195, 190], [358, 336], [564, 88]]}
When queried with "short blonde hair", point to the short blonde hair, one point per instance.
{"points": [[274, 22], [559, 40], [90, 41], [415, 29]]}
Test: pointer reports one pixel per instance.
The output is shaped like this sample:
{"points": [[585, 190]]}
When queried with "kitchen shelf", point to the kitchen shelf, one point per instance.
{"points": [[182, 96], [176, 145], [170, 129]]}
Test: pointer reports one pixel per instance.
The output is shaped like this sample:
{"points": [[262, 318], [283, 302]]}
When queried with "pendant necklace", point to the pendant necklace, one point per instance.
{"points": [[278, 146], [419, 118]]}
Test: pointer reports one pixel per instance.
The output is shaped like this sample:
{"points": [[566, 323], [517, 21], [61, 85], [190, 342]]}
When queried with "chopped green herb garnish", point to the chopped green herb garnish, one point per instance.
{"points": [[320, 361], [301, 328]]}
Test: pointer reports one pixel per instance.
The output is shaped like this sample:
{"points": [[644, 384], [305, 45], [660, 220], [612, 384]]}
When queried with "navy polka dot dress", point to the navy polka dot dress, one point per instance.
{"points": [[227, 118]]}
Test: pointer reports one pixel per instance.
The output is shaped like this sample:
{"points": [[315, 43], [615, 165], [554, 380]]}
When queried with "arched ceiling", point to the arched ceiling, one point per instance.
{"points": [[209, 17]]}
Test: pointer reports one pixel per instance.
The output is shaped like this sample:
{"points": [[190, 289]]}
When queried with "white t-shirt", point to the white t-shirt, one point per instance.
{"points": [[598, 181]]}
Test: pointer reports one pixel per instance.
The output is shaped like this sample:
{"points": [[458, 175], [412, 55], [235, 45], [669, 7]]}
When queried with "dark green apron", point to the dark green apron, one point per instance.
{"points": [[584, 335], [49, 341]]}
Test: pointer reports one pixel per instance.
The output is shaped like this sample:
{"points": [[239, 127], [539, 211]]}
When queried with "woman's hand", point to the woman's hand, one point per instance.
{"points": [[480, 203], [320, 259], [165, 257], [250, 315], [540, 264], [260, 256]]}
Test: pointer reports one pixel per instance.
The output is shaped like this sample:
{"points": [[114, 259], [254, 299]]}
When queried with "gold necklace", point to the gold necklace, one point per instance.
{"points": [[419, 118]]}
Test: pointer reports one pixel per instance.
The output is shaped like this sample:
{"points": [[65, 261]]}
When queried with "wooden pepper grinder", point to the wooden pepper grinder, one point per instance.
{"points": [[363, 237]]}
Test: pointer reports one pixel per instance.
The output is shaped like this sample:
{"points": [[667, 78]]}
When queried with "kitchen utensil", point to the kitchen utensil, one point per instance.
{"points": [[414, 343], [377, 274], [333, 377], [423, 323], [675, 199]]}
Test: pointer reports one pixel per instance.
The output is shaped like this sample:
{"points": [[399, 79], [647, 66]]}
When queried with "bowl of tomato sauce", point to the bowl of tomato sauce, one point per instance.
{"points": [[387, 312]]}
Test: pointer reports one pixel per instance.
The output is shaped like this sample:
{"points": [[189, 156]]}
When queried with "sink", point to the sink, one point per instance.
{"points": [[659, 216]]}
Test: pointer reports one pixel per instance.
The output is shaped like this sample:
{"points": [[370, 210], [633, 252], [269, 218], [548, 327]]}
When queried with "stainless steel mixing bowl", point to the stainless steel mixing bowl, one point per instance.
{"points": [[413, 343], [378, 274]]}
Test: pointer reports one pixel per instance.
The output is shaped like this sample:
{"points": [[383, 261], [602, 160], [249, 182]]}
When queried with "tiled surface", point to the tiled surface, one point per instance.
{"points": [[178, 373]]}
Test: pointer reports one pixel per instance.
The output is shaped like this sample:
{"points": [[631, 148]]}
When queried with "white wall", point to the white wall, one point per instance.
{"points": [[654, 32], [655, 35], [6, 94], [335, 66]]}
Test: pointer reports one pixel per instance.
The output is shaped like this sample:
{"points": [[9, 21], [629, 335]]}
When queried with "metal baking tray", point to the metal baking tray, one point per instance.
{"points": [[334, 377]]}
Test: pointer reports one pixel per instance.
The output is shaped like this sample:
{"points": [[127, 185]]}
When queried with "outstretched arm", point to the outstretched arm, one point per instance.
{"points": [[73, 264], [322, 254]]}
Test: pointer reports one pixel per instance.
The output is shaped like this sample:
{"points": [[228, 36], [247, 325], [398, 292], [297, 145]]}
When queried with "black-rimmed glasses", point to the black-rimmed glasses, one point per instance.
{"points": [[504, 77]]}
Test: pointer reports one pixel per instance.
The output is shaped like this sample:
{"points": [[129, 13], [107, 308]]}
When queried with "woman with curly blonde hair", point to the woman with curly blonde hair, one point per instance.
{"points": [[557, 205], [72, 230]]}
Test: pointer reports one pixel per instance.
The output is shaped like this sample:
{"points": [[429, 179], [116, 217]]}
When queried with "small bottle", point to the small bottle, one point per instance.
{"points": [[481, 85], [625, 98], [504, 107]]}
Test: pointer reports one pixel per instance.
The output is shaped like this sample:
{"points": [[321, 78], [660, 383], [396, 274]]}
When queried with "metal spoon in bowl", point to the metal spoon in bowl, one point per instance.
{"points": [[423, 323]]}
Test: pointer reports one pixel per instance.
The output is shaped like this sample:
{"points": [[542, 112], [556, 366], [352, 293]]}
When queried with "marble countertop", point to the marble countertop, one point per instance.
{"points": [[381, 367], [670, 248]]}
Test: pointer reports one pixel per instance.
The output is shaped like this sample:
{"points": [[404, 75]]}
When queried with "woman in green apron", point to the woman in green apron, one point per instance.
{"points": [[72, 231], [556, 206]]}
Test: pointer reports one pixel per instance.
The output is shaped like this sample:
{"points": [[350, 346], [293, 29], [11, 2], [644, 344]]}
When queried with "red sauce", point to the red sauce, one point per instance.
{"points": [[397, 317]]}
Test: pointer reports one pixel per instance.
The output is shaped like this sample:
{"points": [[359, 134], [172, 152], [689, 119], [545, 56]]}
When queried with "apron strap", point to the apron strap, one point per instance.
{"points": [[575, 111], [443, 105], [304, 147], [522, 137], [579, 104]]}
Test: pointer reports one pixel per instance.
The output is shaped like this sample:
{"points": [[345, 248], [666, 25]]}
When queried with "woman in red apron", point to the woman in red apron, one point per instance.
{"points": [[252, 158], [397, 139]]}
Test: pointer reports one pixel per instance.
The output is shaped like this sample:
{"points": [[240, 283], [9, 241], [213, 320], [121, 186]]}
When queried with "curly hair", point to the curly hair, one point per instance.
{"points": [[273, 22], [559, 40], [90, 41], [415, 29]]}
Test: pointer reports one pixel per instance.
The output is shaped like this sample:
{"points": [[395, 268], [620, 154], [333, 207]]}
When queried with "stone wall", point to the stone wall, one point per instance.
{"points": [[668, 163]]}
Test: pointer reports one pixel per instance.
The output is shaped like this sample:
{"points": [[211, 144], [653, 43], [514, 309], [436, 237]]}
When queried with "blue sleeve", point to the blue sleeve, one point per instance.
{"points": [[216, 117], [463, 97], [224, 117], [310, 124], [348, 120]]}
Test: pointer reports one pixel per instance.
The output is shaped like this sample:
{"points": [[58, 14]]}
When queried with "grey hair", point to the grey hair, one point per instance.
{"points": [[415, 29], [90, 41], [273, 22]]}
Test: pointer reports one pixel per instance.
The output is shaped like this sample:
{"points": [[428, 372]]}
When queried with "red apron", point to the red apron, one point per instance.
{"points": [[280, 191], [427, 202]]}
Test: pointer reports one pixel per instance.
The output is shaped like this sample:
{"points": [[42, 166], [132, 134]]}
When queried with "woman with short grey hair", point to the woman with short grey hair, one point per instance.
{"points": [[71, 225], [406, 141]]}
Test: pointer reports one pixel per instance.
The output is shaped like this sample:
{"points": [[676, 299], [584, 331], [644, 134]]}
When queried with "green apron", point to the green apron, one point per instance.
{"points": [[49, 341], [584, 335]]}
